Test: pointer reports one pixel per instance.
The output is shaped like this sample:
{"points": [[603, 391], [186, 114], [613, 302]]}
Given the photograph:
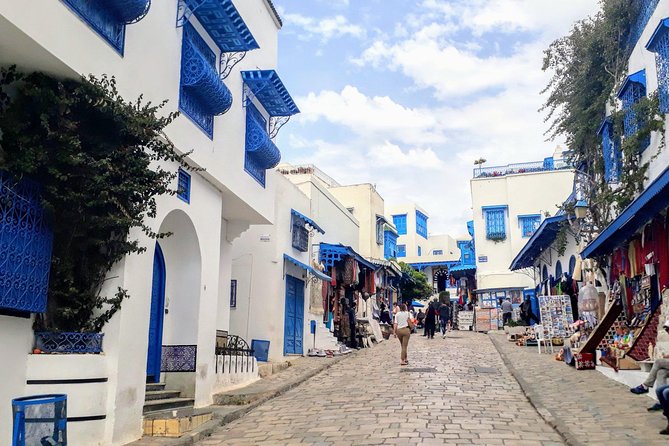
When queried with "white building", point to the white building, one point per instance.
{"points": [[276, 271], [509, 203], [230, 113]]}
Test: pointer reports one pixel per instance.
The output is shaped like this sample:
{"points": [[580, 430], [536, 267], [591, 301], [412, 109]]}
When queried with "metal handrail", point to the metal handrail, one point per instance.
{"points": [[518, 168]]}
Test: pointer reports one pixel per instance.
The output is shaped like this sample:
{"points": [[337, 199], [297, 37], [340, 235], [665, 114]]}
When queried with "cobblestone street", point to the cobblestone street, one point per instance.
{"points": [[454, 391]]}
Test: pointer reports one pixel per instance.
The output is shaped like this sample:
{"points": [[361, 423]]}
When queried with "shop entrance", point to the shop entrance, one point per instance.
{"points": [[441, 277], [293, 331]]}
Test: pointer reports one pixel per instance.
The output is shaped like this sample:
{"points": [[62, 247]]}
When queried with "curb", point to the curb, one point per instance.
{"points": [[208, 428], [532, 397]]}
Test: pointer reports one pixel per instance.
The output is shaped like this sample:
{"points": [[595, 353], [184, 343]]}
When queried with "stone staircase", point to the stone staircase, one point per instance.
{"points": [[324, 339], [158, 399]]}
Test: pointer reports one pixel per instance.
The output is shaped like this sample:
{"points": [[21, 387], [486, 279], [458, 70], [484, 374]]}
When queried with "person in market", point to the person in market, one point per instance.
{"points": [[507, 311], [658, 376], [526, 312], [430, 320], [420, 317], [444, 317], [402, 331]]}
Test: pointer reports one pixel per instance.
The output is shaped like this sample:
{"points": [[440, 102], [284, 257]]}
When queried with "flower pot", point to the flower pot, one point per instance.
{"points": [[68, 342]]}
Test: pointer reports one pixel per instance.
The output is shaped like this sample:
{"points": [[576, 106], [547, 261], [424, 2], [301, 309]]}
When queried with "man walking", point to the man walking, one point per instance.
{"points": [[507, 310], [444, 317]]}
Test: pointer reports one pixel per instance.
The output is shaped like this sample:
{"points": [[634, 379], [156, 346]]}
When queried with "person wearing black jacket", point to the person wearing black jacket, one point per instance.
{"points": [[431, 320], [526, 312]]}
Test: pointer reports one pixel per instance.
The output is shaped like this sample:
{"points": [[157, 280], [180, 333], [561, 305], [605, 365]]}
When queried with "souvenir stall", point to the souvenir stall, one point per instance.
{"points": [[464, 299], [635, 253], [353, 283]]}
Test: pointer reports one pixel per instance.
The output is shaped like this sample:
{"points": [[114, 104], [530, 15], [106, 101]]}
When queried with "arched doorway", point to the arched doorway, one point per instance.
{"points": [[441, 278], [175, 302]]}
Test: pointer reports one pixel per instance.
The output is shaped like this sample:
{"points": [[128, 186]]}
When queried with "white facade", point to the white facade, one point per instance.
{"points": [[224, 201], [517, 194], [261, 271]]}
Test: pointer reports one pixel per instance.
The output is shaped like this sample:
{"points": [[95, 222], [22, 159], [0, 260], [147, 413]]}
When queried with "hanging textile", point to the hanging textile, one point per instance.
{"points": [[661, 250], [350, 271]]}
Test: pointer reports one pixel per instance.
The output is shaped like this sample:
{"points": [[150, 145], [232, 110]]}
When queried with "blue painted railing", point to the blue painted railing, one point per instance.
{"points": [[510, 169], [66, 342]]}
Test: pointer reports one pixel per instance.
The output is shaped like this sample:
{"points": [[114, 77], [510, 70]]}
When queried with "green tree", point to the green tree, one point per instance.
{"points": [[100, 162], [413, 284]]}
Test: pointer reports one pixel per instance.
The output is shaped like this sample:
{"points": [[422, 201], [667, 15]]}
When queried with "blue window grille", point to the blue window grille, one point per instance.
{"points": [[68, 342], [108, 18], [420, 251], [400, 222], [558, 269], [421, 224], [183, 186], [25, 247], [438, 252], [389, 244], [633, 89], [261, 153], [401, 250], [572, 265], [202, 93], [611, 152], [233, 293], [529, 224], [659, 44], [39, 419], [495, 222], [645, 10]]}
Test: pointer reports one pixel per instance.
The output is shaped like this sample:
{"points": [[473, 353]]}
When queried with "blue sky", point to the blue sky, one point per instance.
{"points": [[407, 94]]}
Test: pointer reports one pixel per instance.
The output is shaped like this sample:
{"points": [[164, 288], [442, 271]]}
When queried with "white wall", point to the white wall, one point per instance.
{"points": [[527, 193]]}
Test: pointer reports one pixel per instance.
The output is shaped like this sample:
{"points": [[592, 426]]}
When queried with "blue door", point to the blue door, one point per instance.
{"points": [[157, 315], [294, 320]]}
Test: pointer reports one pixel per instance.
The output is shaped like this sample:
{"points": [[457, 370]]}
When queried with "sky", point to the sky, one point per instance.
{"points": [[406, 94]]}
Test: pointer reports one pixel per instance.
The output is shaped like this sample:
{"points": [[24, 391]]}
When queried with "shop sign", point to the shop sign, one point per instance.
{"points": [[645, 282], [483, 259], [265, 238]]}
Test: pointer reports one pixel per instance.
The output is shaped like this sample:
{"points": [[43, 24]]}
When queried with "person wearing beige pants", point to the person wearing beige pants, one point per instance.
{"points": [[403, 331]]}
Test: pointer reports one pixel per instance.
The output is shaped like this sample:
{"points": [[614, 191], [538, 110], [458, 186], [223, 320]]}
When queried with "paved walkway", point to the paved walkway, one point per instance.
{"points": [[455, 391], [585, 406]]}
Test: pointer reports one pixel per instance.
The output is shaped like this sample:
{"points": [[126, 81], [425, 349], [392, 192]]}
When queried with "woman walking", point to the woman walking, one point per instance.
{"points": [[431, 320], [403, 331]]}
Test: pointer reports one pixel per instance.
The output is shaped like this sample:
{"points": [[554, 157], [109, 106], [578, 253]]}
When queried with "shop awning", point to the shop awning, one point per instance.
{"points": [[307, 220], [651, 202], [447, 263], [270, 92], [542, 239], [329, 254], [307, 268], [389, 265]]}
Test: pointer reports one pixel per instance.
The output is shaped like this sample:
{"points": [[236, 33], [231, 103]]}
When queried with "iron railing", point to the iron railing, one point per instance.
{"points": [[234, 347], [510, 169]]}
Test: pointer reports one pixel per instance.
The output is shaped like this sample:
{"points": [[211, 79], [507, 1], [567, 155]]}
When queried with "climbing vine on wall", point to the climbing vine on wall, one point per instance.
{"points": [[587, 66], [99, 160]]}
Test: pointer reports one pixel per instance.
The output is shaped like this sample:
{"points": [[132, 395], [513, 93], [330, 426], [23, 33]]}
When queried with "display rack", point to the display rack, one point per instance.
{"points": [[556, 316]]}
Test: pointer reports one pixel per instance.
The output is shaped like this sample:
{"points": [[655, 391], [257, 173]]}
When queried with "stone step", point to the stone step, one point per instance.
{"points": [[170, 403], [152, 395], [150, 387]]}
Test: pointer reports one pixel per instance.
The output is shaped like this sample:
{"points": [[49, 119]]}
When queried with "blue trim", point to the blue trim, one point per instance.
{"points": [[307, 268], [542, 238], [421, 224], [156, 317], [457, 268], [307, 220], [495, 221], [528, 224], [659, 32], [635, 78], [224, 24], [495, 208], [447, 263], [183, 185], [646, 206], [401, 251], [267, 87], [389, 244]]}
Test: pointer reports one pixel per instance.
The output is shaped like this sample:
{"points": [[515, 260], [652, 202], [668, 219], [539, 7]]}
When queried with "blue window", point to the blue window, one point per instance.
{"points": [[529, 224], [659, 44], [401, 250], [400, 222], [421, 224], [233, 293], [558, 269], [495, 222], [633, 89], [438, 252], [420, 251], [611, 152], [572, 265], [256, 124], [108, 18], [202, 93], [389, 244], [183, 186]]}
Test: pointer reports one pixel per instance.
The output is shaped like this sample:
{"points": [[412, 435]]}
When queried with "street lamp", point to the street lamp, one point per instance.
{"points": [[581, 209]]}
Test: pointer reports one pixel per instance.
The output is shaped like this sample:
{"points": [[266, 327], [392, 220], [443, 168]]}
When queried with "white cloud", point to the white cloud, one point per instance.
{"points": [[325, 28]]}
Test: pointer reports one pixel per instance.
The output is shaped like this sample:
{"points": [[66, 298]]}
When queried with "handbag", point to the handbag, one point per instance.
{"points": [[411, 323]]}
